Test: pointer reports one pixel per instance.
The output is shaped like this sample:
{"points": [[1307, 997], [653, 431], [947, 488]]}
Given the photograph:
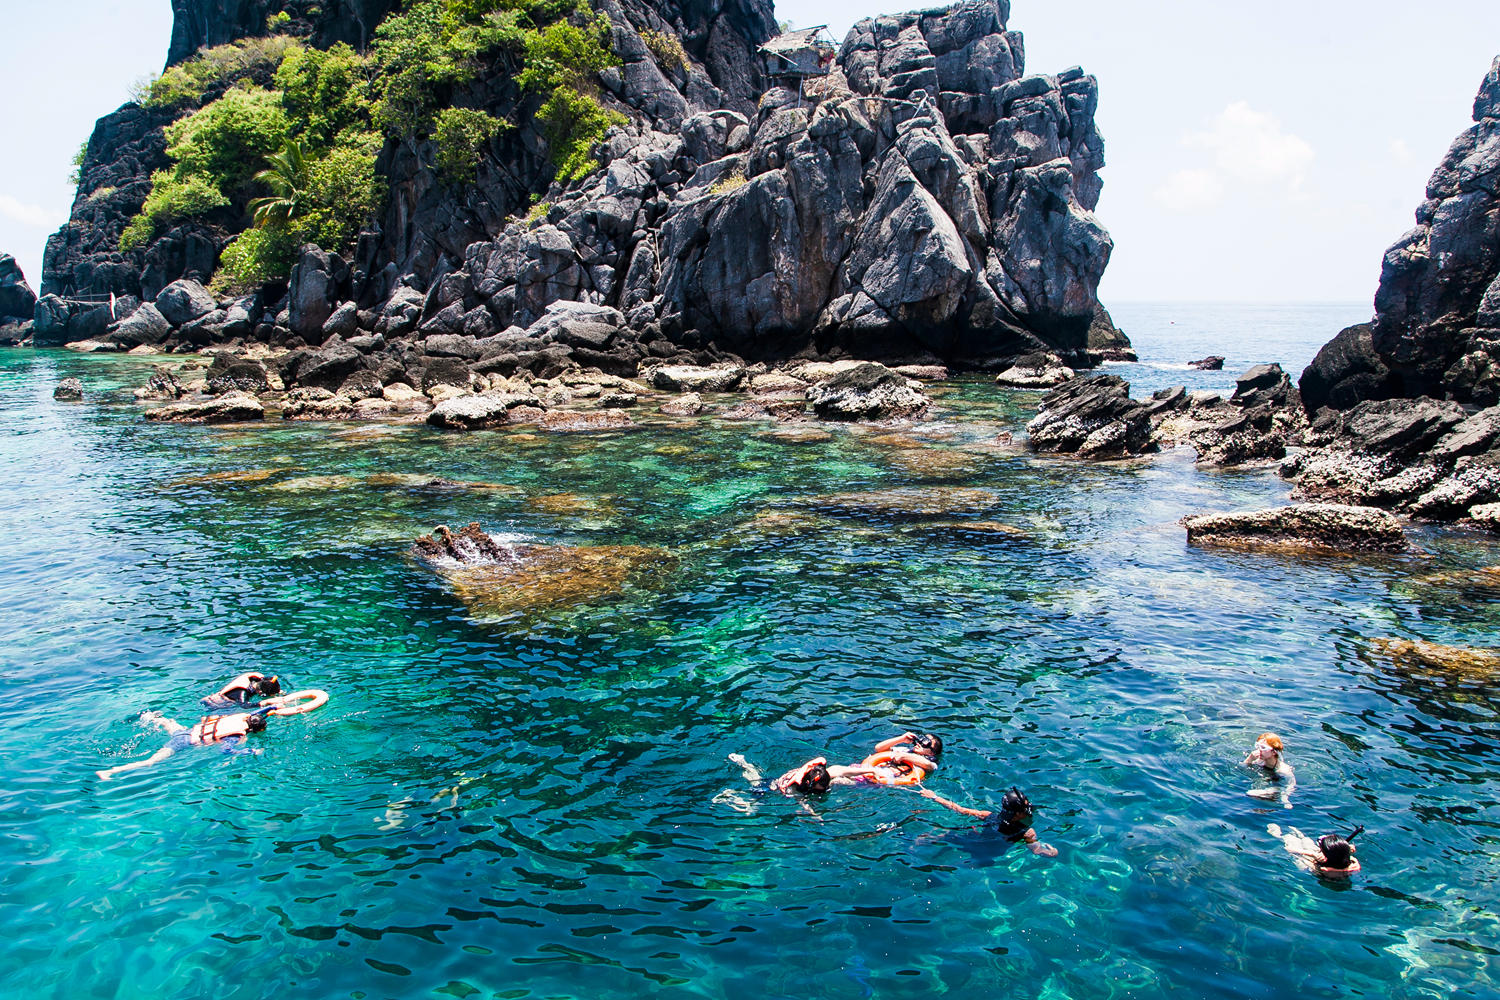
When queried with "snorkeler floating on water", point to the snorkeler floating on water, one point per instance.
{"points": [[1012, 821], [1267, 754], [904, 759], [243, 690], [900, 760], [1330, 856], [229, 731]]}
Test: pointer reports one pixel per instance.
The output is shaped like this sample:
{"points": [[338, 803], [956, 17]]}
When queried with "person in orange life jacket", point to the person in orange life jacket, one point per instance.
{"points": [[228, 731]]}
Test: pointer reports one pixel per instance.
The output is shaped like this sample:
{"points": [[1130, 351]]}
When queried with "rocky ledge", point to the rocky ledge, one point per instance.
{"points": [[1433, 459], [1301, 527], [1095, 417], [455, 383]]}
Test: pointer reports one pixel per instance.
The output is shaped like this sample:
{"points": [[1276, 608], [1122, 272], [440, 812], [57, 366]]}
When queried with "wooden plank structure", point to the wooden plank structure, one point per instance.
{"points": [[799, 54]]}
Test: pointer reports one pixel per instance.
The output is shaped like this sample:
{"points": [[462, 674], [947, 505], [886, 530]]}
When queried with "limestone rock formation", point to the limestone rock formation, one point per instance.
{"points": [[926, 200]]}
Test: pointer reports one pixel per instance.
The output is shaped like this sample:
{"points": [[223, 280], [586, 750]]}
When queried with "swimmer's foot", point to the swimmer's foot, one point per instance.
{"points": [[152, 716], [1262, 793], [735, 801], [1274, 830], [739, 759]]}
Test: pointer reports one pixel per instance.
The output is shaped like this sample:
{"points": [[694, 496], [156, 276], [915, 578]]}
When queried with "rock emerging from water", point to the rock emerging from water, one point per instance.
{"points": [[1091, 417], [1433, 459], [68, 390], [1212, 363], [1301, 527], [1036, 371], [867, 392], [229, 408]]}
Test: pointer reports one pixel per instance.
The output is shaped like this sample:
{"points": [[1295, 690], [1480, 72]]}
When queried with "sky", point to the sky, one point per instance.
{"points": [[1262, 152]]}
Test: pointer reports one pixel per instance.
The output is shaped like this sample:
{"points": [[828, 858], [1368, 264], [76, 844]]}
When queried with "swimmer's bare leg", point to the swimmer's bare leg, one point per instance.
{"points": [[750, 771], [155, 758]]}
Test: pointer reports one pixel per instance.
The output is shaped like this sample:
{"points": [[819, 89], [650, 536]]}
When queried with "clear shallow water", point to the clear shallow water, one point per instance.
{"points": [[524, 807]]}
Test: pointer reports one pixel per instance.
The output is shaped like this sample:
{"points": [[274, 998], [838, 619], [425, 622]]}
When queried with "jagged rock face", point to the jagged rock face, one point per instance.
{"points": [[196, 23], [1437, 313], [925, 200]]}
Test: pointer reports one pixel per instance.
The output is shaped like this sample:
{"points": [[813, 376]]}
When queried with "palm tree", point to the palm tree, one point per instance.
{"points": [[286, 176]]}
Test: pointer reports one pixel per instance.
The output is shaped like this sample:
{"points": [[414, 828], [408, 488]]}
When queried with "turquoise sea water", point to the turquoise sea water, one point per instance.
{"points": [[524, 805]]}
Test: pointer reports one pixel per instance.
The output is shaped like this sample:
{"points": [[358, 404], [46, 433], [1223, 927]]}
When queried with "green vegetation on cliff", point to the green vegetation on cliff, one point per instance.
{"points": [[294, 134]]}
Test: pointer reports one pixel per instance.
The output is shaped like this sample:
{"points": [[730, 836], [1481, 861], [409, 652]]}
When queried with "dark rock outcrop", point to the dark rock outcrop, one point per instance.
{"points": [[1405, 408], [1092, 417], [17, 300], [69, 390], [1264, 413], [197, 23], [1436, 330]]}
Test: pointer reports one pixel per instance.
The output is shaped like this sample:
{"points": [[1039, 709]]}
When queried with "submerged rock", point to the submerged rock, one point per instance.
{"points": [[495, 577], [228, 408], [1431, 654], [927, 502], [1309, 527]]}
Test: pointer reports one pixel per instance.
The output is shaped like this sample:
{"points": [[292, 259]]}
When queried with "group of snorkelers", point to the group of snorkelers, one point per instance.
{"points": [[908, 759], [229, 730], [904, 760], [1331, 855]]}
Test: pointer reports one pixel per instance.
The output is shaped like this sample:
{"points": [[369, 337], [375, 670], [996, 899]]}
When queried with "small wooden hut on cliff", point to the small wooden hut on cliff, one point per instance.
{"points": [[797, 55]]}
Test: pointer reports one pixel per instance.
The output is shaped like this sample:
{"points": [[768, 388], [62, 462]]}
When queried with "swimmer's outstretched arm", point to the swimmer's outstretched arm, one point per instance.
{"points": [[976, 813], [885, 745]]}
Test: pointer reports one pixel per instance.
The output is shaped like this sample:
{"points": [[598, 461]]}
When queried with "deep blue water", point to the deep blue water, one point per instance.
{"points": [[525, 805]]}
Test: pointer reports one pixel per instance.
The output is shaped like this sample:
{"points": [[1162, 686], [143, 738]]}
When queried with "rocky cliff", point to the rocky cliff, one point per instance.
{"points": [[200, 23], [1404, 407], [922, 197], [1436, 330]]}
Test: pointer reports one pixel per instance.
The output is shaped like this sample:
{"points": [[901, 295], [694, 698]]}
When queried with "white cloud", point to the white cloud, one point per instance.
{"points": [[1251, 146], [1246, 151], [1401, 152], [29, 215], [1190, 191]]}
